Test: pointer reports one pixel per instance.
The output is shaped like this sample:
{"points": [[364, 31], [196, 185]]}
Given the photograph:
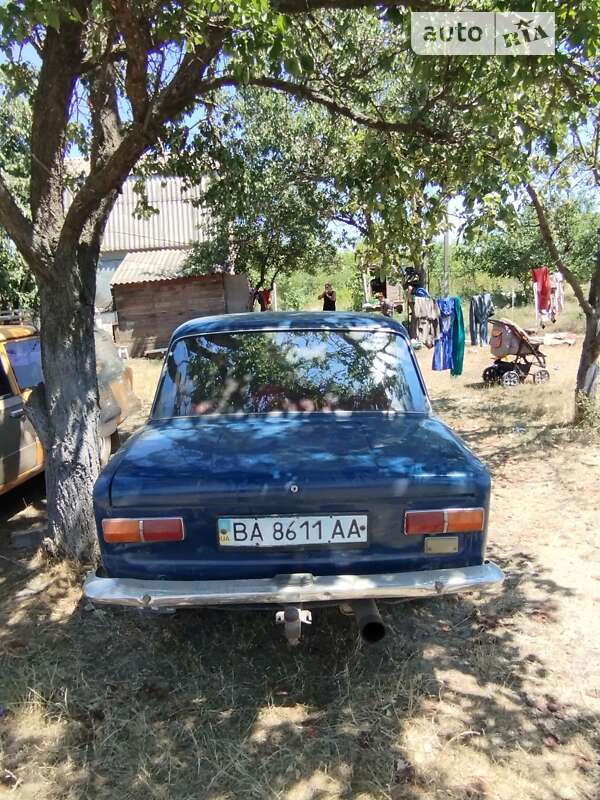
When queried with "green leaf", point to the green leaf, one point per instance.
{"points": [[293, 66], [52, 18], [306, 62]]}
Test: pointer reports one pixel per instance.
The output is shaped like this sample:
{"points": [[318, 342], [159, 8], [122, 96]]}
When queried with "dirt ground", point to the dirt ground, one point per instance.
{"points": [[491, 696]]}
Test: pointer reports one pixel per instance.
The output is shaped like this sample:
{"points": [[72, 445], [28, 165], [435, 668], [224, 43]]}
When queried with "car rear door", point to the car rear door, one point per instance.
{"points": [[19, 450]]}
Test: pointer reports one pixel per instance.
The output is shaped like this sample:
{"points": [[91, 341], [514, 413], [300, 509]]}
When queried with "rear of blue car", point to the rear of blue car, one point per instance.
{"points": [[290, 460]]}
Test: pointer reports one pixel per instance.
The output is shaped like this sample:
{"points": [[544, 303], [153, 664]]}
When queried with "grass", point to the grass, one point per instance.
{"points": [[493, 696]]}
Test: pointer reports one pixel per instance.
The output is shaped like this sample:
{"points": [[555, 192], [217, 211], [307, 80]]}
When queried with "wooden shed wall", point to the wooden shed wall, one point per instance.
{"points": [[148, 313]]}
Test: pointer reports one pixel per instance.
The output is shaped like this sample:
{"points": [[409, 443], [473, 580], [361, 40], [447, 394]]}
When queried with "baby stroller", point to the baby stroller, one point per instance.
{"points": [[508, 339]]}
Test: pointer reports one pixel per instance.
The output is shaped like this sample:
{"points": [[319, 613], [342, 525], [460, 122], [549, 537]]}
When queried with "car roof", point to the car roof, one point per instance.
{"points": [[287, 320], [8, 332]]}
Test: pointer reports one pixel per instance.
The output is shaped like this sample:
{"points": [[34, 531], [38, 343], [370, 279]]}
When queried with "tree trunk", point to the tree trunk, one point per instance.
{"points": [[588, 377], [67, 410], [588, 374]]}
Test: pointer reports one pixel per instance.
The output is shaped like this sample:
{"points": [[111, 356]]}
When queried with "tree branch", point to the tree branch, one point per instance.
{"points": [[62, 56], [18, 227], [303, 92], [594, 293], [106, 138], [104, 113], [548, 238], [186, 84], [350, 219], [136, 35], [305, 6], [174, 99]]}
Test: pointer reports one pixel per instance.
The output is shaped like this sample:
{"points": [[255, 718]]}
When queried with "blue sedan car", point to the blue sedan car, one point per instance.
{"points": [[291, 459]]}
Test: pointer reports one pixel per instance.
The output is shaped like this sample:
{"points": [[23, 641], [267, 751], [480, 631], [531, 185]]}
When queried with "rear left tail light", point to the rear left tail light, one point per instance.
{"points": [[448, 520], [155, 529]]}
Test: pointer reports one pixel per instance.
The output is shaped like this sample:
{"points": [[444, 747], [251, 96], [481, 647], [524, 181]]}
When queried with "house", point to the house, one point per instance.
{"points": [[142, 284], [152, 296], [175, 224]]}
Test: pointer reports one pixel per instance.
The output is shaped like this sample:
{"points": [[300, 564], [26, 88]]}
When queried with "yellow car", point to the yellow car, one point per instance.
{"points": [[21, 453]]}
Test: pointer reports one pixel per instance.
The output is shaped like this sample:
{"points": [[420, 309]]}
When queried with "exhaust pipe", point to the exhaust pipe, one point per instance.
{"points": [[369, 620]]}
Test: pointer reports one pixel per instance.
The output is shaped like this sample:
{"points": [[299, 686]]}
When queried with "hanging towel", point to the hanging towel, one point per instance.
{"points": [[442, 355], [558, 292], [458, 339], [541, 278]]}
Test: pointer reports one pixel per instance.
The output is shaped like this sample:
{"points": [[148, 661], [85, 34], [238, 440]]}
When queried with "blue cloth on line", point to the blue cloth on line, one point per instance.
{"points": [[458, 339], [442, 354]]}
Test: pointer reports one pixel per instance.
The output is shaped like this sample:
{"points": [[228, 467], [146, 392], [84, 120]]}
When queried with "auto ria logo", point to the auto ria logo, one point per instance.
{"points": [[482, 33]]}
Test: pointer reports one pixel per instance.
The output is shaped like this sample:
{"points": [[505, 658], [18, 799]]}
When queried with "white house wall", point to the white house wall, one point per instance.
{"points": [[107, 266]]}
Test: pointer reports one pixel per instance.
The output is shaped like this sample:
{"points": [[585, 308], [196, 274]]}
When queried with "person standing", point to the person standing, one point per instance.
{"points": [[264, 298], [328, 298]]}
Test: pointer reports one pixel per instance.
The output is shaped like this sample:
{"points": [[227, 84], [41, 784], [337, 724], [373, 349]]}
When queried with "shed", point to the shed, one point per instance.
{"points": [[153, 295], [179, 221]]}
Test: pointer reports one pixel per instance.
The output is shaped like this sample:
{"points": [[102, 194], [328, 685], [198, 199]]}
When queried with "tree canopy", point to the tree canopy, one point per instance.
{"points": [[513, 250], [267, 202], [17, 285]]}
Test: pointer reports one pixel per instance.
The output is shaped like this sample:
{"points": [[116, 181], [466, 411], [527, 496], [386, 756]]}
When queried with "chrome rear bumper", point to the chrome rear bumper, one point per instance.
{"points": [[288, 589]]}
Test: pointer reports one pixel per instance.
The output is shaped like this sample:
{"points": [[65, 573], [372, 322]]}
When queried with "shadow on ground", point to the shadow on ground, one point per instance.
{"points": [[215, 705], [452, 705], [506, 433]]}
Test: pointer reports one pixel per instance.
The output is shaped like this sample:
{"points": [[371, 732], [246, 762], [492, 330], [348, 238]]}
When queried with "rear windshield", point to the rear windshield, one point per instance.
{"points": [[264, 371]]}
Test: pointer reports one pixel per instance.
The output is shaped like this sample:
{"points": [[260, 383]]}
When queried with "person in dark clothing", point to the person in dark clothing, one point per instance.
{"points": [[328, 298], [264, 298]]}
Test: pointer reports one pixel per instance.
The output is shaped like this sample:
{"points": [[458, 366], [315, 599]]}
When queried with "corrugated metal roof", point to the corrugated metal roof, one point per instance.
{"points": [[178, 222], [154, 265]]}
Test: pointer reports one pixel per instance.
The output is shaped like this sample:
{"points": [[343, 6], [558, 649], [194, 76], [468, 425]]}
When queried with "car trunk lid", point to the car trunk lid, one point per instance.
{"points": [[285, 465]]}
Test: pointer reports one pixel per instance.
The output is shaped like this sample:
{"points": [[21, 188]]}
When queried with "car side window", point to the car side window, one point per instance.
{"points": [[26, 360], [5, 388]]}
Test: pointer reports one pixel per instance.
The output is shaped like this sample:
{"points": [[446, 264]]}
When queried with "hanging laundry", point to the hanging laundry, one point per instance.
{"points": [[442, 355], [481, 309], [424, 320], [458, 338], [542, 294], [557, 302], [450, 347]]}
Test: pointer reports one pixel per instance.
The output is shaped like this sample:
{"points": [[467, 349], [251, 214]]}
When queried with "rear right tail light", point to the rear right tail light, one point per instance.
{"points": [[448, 520]]}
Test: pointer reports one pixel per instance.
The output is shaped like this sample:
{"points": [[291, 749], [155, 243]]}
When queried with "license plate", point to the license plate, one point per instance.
{"points": [[313, 531]]}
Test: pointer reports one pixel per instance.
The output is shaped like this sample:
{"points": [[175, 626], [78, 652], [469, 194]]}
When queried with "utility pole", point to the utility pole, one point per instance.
{"points": [[446, 277]]}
